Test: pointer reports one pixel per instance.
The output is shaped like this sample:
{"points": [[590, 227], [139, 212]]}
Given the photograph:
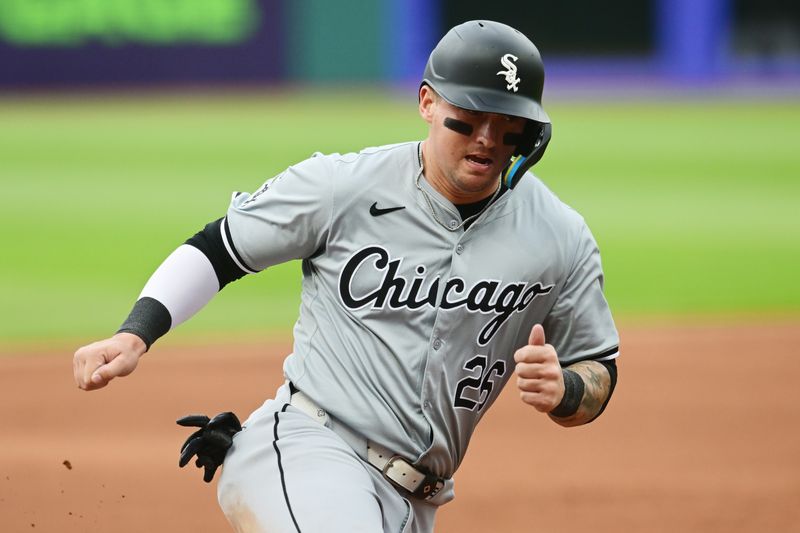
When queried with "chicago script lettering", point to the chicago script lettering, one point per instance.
{"points": [[485, 296]]}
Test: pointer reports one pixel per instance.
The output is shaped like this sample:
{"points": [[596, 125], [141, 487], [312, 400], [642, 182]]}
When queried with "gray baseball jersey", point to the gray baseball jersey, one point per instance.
{"points": [[409, 323]]}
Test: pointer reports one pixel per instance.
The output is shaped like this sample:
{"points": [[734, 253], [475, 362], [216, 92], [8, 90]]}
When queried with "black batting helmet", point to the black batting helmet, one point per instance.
{"points": [[487, 66]]}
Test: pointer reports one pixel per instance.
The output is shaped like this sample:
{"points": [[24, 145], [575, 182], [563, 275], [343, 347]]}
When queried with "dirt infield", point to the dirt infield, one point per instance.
{"points": [[703, 434]]}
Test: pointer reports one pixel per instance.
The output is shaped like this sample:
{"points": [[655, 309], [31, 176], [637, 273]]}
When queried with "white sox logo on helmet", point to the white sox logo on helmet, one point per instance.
{"points": [[511, 72]]}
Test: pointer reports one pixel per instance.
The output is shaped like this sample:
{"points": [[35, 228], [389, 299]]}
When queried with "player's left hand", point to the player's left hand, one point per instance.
{"points": [[210, 443], [539, 376]]}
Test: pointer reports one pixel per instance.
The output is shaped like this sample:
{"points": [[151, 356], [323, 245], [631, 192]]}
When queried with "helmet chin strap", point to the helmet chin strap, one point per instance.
{"points": [[520, 163]]}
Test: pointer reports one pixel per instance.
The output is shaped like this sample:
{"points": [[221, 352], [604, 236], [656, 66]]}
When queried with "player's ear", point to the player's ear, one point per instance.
{"points": [[427, 100]]}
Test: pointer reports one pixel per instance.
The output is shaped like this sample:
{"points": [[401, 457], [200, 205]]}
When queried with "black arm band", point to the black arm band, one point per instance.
{"points": [[573, 395], [611, 366], [148, 320], [209, 241]]}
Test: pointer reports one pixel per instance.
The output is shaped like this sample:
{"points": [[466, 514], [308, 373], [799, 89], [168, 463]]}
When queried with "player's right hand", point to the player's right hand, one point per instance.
{"points": [[94, 365], [539, 377]]}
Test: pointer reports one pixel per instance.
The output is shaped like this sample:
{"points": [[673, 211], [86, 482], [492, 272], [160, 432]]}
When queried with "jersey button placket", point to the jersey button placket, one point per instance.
{"points": [[460, 249], [437, 343]]}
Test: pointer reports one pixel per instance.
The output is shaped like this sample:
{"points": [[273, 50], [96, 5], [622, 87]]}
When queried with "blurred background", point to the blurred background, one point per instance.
{"points": [[125, 126], [116, 43]]}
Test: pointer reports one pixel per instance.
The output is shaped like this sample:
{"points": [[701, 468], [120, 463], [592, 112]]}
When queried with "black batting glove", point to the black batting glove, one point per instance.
{"points": [[210, 443]]}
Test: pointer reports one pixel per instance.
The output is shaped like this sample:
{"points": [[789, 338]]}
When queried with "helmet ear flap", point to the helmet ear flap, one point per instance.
{"points": [[535, 140]]}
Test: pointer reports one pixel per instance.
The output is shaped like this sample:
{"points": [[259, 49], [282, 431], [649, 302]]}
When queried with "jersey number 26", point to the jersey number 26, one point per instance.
{"points": [[473, 391]]}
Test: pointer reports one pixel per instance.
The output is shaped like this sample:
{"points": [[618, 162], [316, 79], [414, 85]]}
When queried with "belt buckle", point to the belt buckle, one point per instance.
{"points": [[390, 463], [429, 486]]}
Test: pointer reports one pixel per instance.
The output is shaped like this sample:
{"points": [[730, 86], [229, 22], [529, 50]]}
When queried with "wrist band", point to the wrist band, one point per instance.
{"points": [[149, 320], [573, 395]]}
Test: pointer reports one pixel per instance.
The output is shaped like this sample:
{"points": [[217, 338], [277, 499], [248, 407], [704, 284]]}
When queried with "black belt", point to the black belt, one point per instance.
{"points": [[399, 471]]}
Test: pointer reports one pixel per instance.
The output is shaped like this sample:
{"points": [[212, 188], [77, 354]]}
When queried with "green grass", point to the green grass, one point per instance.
{"points": [[694, 204]]}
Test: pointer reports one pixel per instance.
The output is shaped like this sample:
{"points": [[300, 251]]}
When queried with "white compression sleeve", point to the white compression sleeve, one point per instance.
{"points": [[184, 283]]}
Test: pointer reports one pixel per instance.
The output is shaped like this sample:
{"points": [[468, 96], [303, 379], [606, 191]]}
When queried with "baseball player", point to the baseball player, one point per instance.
{"points": [[433, 272]]}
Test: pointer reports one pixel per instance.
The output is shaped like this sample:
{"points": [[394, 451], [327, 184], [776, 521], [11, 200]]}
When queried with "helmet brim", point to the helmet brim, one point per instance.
{"points": [[490, 101]]}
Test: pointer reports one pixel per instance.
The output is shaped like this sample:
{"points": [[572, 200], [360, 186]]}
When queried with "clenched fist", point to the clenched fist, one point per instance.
{"points": [[539, 376], [94, 365]]}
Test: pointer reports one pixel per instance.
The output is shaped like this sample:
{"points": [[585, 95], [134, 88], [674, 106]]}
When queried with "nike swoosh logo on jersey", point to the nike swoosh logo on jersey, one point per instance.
{"points": [[376, 211]]}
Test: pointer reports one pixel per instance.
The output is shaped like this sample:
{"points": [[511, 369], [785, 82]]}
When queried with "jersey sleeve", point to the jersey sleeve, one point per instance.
{"points": [[287, 218], [580, 325]]}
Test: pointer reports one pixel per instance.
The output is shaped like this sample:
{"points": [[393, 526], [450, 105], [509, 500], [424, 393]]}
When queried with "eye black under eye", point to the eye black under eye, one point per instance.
{"points": [[458, 126]]}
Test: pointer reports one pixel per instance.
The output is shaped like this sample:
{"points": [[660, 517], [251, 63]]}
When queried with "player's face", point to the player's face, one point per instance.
{"points": [[465, 152]]}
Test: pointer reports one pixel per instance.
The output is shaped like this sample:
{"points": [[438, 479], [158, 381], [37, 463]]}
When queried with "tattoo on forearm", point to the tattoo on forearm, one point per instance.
{"points": [[597, 383]]}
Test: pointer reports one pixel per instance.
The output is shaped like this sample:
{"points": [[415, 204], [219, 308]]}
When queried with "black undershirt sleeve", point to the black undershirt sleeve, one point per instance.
{"points": [[209, 241]]}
